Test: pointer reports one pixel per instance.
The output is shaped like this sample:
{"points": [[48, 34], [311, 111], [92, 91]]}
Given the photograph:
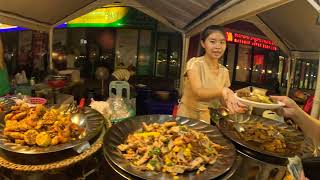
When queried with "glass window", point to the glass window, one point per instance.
{"points": [[126, 48], [105, 40], [271, 66], [307, 76], [244, 63], [230, 59], [174, 59], [162, 56], [265, 67], [314, 72], [145, 64], [168, 55], [302, 74], [296, 80], [259, 66], [281, 68]]}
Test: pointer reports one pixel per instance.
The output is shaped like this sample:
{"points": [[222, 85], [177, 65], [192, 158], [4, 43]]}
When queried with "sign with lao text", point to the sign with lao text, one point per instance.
{"points": [[250, 40]]}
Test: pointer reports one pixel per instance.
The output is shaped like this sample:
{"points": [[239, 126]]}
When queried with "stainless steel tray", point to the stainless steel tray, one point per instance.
{"points": [[119, 132], [294, 138], [94, 124]]}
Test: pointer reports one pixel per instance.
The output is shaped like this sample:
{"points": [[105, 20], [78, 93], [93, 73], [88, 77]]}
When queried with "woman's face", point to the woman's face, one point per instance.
{"points": [[214, 45]]}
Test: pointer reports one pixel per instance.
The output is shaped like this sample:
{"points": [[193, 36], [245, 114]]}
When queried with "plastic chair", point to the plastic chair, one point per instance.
{"points": [[119, 86]]}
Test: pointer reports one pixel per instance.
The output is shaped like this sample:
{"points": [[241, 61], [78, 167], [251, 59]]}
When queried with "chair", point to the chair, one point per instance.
{"points": [[119, 86]]}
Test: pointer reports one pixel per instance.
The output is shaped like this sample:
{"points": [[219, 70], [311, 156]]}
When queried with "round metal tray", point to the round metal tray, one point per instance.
{"points": [[293, 137], [224, 176], [94, 125], [119, 132]]}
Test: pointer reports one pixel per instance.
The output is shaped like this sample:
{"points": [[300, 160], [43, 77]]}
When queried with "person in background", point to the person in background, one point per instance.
{"points": [[71, 58], [123, 74], [4, 79], [23, 60], [207, 82]]}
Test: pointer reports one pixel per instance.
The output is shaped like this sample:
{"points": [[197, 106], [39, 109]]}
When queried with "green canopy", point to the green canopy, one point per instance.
{"points": [[4, 82]]}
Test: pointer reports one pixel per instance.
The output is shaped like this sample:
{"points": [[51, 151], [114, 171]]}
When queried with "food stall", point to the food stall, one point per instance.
{"points": [[236, 158]]}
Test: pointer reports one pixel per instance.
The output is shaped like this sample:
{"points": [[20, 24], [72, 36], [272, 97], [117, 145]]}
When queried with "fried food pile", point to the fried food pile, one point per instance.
{"points": [[266, 137], [2, 108], [169, 147], [255, 96], [259, 98], [39, 126]]}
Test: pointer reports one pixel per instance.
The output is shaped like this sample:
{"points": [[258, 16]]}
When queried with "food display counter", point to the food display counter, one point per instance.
{"points": [[102, 157]]}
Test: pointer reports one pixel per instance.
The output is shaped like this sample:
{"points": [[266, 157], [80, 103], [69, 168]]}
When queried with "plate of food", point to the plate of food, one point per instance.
{"points": [[162, 147], [38, 130], [257, 99], [265, 136]]}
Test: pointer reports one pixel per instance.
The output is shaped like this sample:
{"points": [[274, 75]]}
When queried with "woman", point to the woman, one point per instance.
{"points": [[206, 81], [4, 79]]}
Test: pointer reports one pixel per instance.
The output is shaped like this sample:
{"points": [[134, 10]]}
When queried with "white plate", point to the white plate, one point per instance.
{"points": [[259, 105]]}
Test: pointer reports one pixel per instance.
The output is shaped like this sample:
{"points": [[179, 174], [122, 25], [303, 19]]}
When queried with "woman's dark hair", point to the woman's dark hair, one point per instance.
{"points": [[206, 33], [210, 29]]}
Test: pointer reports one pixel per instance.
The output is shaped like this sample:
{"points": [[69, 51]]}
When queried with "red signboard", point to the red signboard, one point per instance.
{"points": [[250, 40]]}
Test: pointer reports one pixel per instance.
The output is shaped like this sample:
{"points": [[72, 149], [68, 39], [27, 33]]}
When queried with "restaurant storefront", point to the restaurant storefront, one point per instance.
{"points": [[305, 75], [258, 61], [251, 60]]}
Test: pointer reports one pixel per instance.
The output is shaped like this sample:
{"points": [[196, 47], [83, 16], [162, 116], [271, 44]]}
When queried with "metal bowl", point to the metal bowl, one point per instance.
{"points": [[119, 132], [94, 124], [295, 140]]}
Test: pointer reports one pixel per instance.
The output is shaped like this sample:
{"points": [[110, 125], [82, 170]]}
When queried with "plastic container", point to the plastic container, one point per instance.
{"points": [[24, 89], [37, 100]]}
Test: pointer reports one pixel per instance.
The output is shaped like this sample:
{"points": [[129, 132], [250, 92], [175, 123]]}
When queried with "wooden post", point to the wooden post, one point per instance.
{"points": [[185, 48], [50, 48]]}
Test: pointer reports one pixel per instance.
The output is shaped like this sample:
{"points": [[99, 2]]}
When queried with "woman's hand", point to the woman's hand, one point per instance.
{"points": [[232, 103], [290, 109]]}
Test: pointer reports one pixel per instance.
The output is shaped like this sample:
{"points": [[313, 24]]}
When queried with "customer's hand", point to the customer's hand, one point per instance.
{"points": [[290, 109], [232, 103]]}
